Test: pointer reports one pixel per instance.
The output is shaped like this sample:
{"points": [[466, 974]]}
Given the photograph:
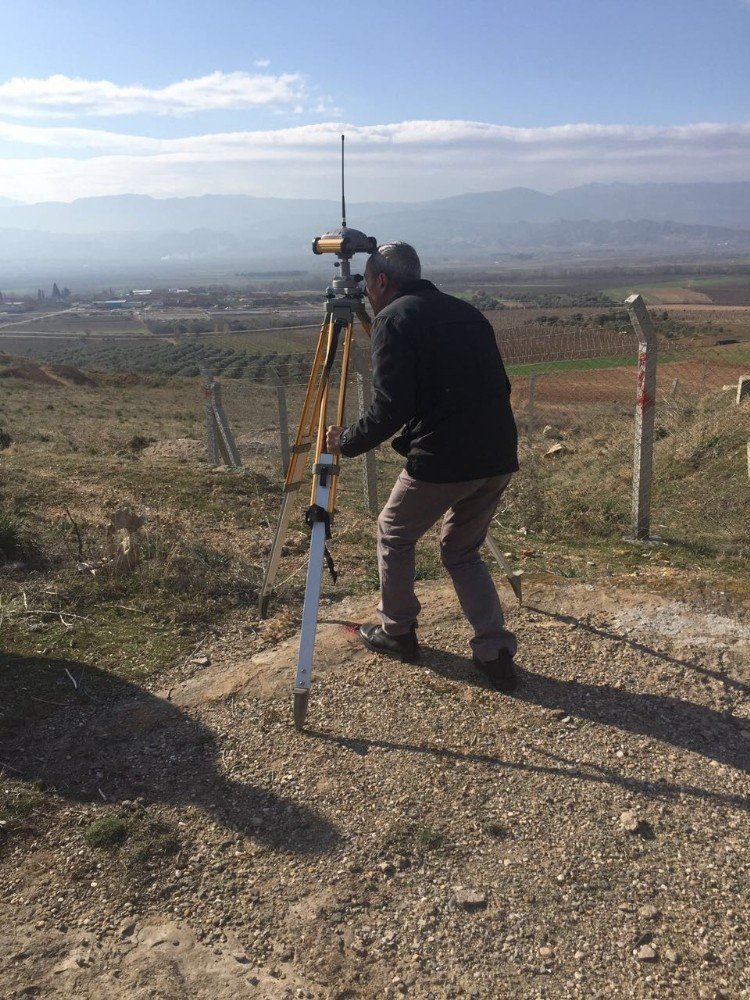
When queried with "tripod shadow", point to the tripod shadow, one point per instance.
{"points": [[559, 766], [683, 724], [642, 647], [87, 735]]}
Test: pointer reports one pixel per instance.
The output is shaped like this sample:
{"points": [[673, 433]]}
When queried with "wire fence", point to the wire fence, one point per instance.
{"points": [[574, 394]]}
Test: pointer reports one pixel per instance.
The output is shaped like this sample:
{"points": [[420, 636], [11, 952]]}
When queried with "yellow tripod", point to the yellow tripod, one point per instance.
{"points": [[344, 301]]}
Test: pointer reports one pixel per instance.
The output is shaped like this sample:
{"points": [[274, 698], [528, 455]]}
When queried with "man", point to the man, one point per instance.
{"points": [[438, 378]]}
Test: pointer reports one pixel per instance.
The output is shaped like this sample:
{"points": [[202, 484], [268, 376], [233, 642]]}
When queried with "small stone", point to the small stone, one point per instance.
{"points": [[648, 912], [629, 821], [470, 899], [646, 953], [579, 956], [671, 955], [547, 953]]}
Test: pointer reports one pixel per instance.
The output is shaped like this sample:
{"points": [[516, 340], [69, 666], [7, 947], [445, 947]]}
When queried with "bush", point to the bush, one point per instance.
{"points": [[5, 439], [109, 833], [138, 442]]}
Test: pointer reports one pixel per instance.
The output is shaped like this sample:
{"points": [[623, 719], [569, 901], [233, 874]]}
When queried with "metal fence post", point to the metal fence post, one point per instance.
{"points": [[364, 398], [644, 415]]}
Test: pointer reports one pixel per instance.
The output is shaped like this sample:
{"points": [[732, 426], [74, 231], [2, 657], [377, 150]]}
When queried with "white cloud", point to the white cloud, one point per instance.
{"points": [[264, 63], [406, 160], [66, 97]]}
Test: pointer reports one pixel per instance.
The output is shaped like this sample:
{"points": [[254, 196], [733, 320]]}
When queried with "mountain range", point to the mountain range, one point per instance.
{"points": [[180, 235]]}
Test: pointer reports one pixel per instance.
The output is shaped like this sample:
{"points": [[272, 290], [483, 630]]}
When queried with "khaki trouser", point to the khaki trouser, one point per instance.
{"points": [[467, 509]]}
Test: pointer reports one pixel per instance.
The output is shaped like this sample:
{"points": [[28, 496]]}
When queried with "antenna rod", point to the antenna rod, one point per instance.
{"points": [[343, 202]]}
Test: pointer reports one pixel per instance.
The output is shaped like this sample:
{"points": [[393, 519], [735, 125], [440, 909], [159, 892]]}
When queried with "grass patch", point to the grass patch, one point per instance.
{"points": [[572, 365], [151, 840], [429, 838], [19, 803], [107, 834], [13, 540]]}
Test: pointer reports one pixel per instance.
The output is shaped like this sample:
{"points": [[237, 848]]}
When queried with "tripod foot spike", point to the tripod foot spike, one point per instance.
{"points": [[301, 698]]}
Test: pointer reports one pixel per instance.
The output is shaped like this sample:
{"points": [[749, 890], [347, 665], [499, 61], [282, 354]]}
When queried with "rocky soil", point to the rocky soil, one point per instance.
{"points": [[425, 837]]}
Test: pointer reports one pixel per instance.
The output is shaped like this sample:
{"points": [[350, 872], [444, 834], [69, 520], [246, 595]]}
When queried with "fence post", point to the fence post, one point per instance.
{"points": [[227, 445], [208, 385], [364, 398], [283, 421], [221, 444], [644, 415], [532, 398]]}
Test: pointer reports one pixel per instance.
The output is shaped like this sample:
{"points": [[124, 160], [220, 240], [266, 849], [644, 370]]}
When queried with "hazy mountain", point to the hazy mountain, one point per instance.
{"points": [[693, 204], [233, 232], [690, 204]]}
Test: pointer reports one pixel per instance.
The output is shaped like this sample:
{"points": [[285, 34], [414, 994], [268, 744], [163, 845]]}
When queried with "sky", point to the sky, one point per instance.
{"points": [[176, 99]]}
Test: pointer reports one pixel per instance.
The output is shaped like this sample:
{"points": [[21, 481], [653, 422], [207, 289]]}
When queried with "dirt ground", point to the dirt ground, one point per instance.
{"points": [[425, 836]]}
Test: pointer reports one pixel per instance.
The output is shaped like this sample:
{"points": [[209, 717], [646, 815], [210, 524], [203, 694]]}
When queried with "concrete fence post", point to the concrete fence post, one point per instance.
{"points": [[531, 414], [221, 443], [364, 398], [645, 411], [208, 384], [283, 421], [227, 446]]}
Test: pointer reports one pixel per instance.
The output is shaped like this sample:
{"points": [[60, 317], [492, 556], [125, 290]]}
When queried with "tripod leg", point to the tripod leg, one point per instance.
{"points": [[341, 402], [308, 417], [364, 318], [296, 470], [303, 681]]}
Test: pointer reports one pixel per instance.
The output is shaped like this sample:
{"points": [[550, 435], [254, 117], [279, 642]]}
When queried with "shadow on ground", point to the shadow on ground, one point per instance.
{"points": [[682, 724], [90, 736]]}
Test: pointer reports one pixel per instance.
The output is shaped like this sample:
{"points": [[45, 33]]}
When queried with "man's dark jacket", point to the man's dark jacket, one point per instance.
{"points": [[439, 378]]}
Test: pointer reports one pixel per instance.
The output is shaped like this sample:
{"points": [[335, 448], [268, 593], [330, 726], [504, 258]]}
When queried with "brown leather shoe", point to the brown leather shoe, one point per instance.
{"points": [[500, 672], [403, 647]]}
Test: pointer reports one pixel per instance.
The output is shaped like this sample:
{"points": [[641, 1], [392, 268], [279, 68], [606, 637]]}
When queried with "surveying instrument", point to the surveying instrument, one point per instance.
{"points": [[344, 299]]}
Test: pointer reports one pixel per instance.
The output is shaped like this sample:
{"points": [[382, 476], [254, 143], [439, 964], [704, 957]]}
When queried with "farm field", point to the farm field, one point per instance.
{"points": [[162, 822]]}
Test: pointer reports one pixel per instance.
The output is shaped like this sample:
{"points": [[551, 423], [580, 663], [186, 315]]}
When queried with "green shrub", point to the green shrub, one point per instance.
{"points": [[107, 834]]}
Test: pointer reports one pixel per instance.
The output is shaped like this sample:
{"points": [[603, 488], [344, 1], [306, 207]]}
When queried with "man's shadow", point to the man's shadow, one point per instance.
{"points": [[90, 736]]}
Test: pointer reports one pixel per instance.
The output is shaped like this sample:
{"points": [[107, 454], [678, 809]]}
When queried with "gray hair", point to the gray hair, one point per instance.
{"points": [[398, 262]]}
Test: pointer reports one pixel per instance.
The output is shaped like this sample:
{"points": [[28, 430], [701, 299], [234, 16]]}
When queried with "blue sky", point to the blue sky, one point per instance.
{"points": [[190, 98]]}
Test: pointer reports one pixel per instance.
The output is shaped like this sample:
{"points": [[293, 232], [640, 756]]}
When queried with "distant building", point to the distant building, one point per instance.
{"points": [[141, 293], [111, 304]]}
